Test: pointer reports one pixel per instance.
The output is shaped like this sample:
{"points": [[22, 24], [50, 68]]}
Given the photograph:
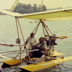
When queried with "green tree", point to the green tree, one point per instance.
{"points": [[44, 8], [35, 8], [24, 8]]}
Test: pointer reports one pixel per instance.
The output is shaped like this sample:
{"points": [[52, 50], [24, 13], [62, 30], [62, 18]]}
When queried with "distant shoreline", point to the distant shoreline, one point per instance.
{"points": [[28, 8]]}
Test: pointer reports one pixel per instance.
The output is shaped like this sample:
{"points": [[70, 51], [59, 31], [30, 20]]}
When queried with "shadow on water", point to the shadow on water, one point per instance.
{"points": [[24, 70], [8, 68], [5, 66]]}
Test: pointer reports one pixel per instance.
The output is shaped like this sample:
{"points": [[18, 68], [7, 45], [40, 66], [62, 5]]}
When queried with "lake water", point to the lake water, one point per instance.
{"points": [[8, 35]]}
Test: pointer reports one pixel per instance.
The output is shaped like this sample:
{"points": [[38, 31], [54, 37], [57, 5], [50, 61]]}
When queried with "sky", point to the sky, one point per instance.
{"points": [[6, 4]]}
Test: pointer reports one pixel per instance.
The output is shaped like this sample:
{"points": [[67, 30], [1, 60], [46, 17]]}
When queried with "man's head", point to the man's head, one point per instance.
{"points": [[32, 35], [41, 40], [54, 38]]}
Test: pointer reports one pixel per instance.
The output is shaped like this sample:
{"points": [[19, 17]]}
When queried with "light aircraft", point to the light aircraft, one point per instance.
{"points": [[56, 58]]}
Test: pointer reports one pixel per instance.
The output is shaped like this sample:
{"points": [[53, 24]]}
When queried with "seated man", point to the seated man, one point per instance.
{"points": [[41, 46], [50, 44], [31, 41], [51, 41]]}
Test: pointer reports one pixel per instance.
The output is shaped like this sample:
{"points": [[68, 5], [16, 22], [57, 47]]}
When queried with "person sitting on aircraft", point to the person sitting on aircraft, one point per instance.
{"points": [[51, 41], [50, 44], [41, 46], [31, 41]]}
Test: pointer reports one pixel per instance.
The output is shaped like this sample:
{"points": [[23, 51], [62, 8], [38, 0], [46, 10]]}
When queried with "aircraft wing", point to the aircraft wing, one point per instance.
{"points": [[4, 57], [45, 15], [10, 13]]}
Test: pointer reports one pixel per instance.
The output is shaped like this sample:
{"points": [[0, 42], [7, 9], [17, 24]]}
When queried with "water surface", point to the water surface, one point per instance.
{"points": [[8, 35]]}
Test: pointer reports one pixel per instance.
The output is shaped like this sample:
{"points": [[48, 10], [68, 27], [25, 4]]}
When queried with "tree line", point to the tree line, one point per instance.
{"points": [[28, 8]]}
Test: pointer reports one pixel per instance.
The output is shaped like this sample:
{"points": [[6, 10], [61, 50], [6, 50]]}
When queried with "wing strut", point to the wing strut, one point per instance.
{"points": [[14, 5], [45, 28], [18, 39]]}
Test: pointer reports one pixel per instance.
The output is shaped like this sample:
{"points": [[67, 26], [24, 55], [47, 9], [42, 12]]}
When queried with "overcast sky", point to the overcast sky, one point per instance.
{"points": [[6, 4]]}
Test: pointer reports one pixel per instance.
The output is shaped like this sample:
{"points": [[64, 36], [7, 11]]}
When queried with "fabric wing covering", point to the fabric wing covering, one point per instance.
{"points": [[54, 15]]}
